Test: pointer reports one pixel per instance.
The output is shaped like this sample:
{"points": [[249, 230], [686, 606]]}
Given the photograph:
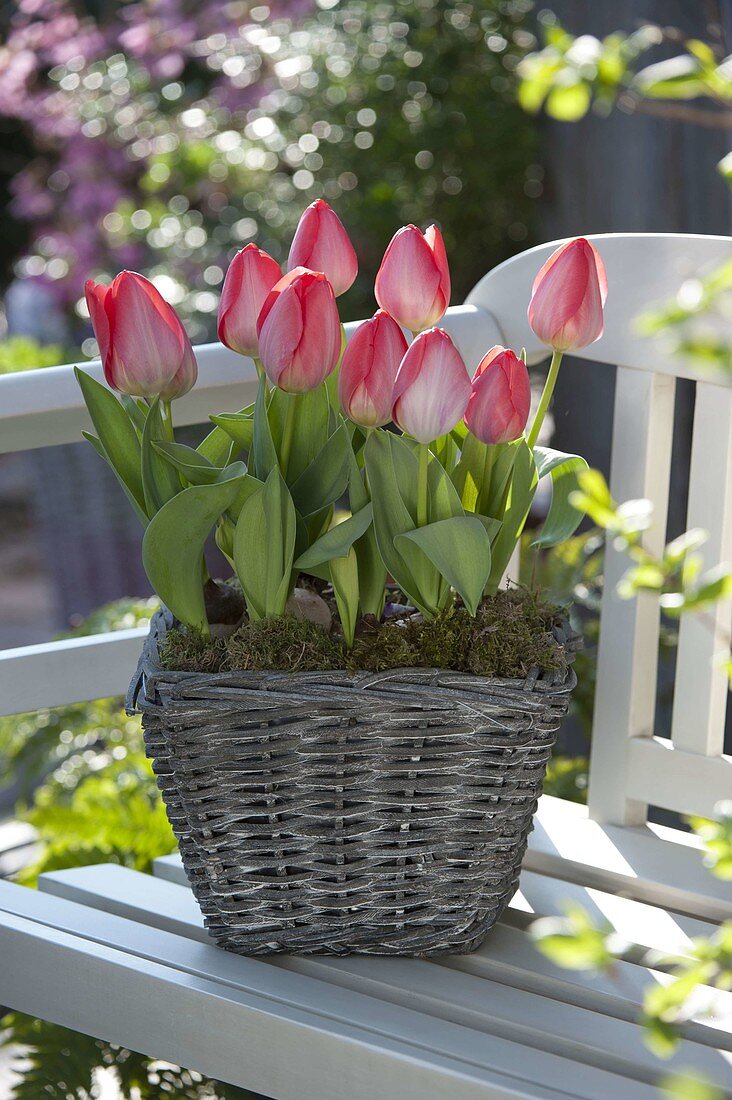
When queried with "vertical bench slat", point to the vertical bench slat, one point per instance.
{"points": [[700, 696], [628, 649]]}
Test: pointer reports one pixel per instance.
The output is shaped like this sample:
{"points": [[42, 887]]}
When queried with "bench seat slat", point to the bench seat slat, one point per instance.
{"points": [[508, 956], [285, 1034], [582, 1036], [651, 863]]}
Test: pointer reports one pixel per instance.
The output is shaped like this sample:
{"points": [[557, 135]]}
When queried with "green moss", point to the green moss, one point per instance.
{"points": [[283, 644], [511, 634]]}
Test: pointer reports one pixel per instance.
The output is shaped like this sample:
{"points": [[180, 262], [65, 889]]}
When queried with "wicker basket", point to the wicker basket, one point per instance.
{"points": [[385, 813]]}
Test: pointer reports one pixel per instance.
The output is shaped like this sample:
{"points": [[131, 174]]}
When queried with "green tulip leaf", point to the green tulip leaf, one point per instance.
{"points": [[392, 516], [563, 518], [136, 409], [264, 544], [336, 542], [263, 455], [326, 478], [160, 482], [194, 467], [460, 549], [172, 549], [235, 428], [97, 445], [372, 574], [519, 495], [116, 434], [345, 581], [310, 427]]}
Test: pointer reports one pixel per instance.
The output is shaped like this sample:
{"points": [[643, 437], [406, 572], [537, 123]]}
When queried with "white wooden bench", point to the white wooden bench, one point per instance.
{"points": [[124, 956]]}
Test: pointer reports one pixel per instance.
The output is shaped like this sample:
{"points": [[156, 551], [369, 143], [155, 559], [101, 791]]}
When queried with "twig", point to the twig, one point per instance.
{"points": [[678, 112]]}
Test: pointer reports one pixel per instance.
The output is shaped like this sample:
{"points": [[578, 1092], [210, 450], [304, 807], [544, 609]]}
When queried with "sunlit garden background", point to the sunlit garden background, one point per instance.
{"points": [[164, 135]]}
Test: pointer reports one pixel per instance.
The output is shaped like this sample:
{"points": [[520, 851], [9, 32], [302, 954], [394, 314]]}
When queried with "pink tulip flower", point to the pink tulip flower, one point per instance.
{"points": [[251, 275], [568, 296], [299, 331], [142, 343], [432, 387], [413, 282], [500, 398], [322, 244], [370, 364]]}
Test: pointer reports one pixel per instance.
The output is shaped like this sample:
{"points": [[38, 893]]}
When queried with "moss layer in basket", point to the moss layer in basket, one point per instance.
{"points": [[511, 634]]}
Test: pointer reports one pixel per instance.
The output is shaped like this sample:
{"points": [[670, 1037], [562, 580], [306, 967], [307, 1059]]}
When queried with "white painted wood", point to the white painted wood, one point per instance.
{"points": [[173, 908], [641, 926], [702, 685], [511, 959], [287, 1035], [650, 863], [643, 270], [683, 781], [628, 648], [44, 408], [70, 671]]}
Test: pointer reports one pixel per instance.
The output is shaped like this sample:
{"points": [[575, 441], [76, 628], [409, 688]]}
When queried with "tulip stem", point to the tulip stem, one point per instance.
{"points": [[288, 432], [167, 416], [546, 397], [424, 457]]}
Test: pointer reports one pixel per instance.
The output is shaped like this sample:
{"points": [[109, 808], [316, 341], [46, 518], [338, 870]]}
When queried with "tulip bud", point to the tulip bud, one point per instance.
{"points": [[143, 346], [500, 397], [568, 296], [432, 387], [370, 364], [251, 275], [299, 331], [322, 244], [413, 282]]}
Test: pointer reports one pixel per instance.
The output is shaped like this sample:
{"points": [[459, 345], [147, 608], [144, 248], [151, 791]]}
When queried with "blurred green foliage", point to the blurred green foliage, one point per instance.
{"points": [[394, 112], [82, 772], [573, 73], [675, 575], [698, 321], [90, 794], [574, 941], [19, 353], [58, 1064]]}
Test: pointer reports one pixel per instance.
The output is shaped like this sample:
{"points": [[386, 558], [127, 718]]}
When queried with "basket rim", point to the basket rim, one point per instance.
{"points": [[149, 671]]}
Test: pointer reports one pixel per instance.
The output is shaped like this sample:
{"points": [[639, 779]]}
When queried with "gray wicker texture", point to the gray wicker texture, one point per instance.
{"points": [[324, 812]]}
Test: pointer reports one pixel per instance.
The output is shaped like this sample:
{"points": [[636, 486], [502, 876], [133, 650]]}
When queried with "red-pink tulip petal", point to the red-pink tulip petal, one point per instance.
{"points": [[370, 364], [250, 277], [566, 309], [413, 281], [143, 344], [96, 295], [299, 331], [432, 387], [500, 397], [321, 243]]}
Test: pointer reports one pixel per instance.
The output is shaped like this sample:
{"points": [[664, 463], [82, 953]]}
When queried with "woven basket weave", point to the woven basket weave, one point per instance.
{"points": [[384, 813]]}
